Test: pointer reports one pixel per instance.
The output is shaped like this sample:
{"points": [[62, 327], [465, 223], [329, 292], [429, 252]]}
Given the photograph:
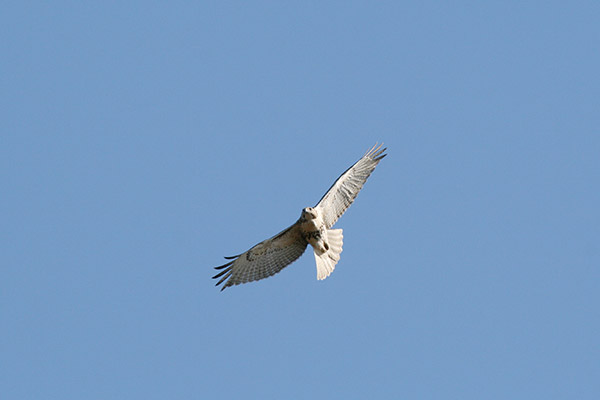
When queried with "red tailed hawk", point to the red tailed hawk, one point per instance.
{"points": [[314, 227]]}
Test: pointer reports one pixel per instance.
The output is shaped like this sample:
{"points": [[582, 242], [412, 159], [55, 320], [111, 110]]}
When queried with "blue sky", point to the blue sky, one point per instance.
{"points": [[143, 141]]}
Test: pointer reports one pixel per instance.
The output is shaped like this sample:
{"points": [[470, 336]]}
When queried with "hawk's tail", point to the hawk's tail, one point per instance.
{"points": [[326, 262]]}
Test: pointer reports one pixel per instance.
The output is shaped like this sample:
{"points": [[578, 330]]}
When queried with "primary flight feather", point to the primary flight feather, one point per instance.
{"points": [[313, 227]]}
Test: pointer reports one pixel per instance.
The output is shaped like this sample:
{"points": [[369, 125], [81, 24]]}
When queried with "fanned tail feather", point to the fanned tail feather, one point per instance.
{"points": [[327, 261]]}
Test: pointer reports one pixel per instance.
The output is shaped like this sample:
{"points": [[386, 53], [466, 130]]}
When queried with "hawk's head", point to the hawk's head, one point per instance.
{"points": [[308, 213]]}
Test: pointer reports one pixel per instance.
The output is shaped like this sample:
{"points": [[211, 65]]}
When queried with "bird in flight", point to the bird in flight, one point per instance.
{"points": [[313, 227]]}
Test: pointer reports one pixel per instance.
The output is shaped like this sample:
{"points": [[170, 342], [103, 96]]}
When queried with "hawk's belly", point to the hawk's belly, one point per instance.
{"points": [[315, 234]]}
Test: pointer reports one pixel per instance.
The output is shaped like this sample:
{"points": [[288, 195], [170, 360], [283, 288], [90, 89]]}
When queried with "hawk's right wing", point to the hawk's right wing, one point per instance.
{"points": [[345, 189], [265, 259]]}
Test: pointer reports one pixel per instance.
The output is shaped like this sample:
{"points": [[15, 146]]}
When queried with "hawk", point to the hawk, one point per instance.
{"points": [[313, 227]]}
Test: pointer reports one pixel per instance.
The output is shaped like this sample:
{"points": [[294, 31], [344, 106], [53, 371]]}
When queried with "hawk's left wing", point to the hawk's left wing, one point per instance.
{"points": [[265, 259], [345, 189]]}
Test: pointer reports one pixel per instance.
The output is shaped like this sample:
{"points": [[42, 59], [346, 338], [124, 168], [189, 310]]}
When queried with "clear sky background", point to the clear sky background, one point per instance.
{"points": [[143, 141]]}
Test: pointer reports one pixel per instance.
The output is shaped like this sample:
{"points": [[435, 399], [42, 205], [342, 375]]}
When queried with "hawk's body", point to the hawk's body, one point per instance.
{"points": [[313, 227]]}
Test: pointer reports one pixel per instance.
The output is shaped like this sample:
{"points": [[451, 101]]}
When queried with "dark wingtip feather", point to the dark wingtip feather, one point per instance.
{"points": [[227, 271], [223, 279], [377, 157], [225, 265], [220, 274], [375, 152]]}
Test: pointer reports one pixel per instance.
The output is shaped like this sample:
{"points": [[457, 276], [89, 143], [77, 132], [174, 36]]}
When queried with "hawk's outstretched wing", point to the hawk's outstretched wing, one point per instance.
{"points": [[345, 189], [265, 259]]}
